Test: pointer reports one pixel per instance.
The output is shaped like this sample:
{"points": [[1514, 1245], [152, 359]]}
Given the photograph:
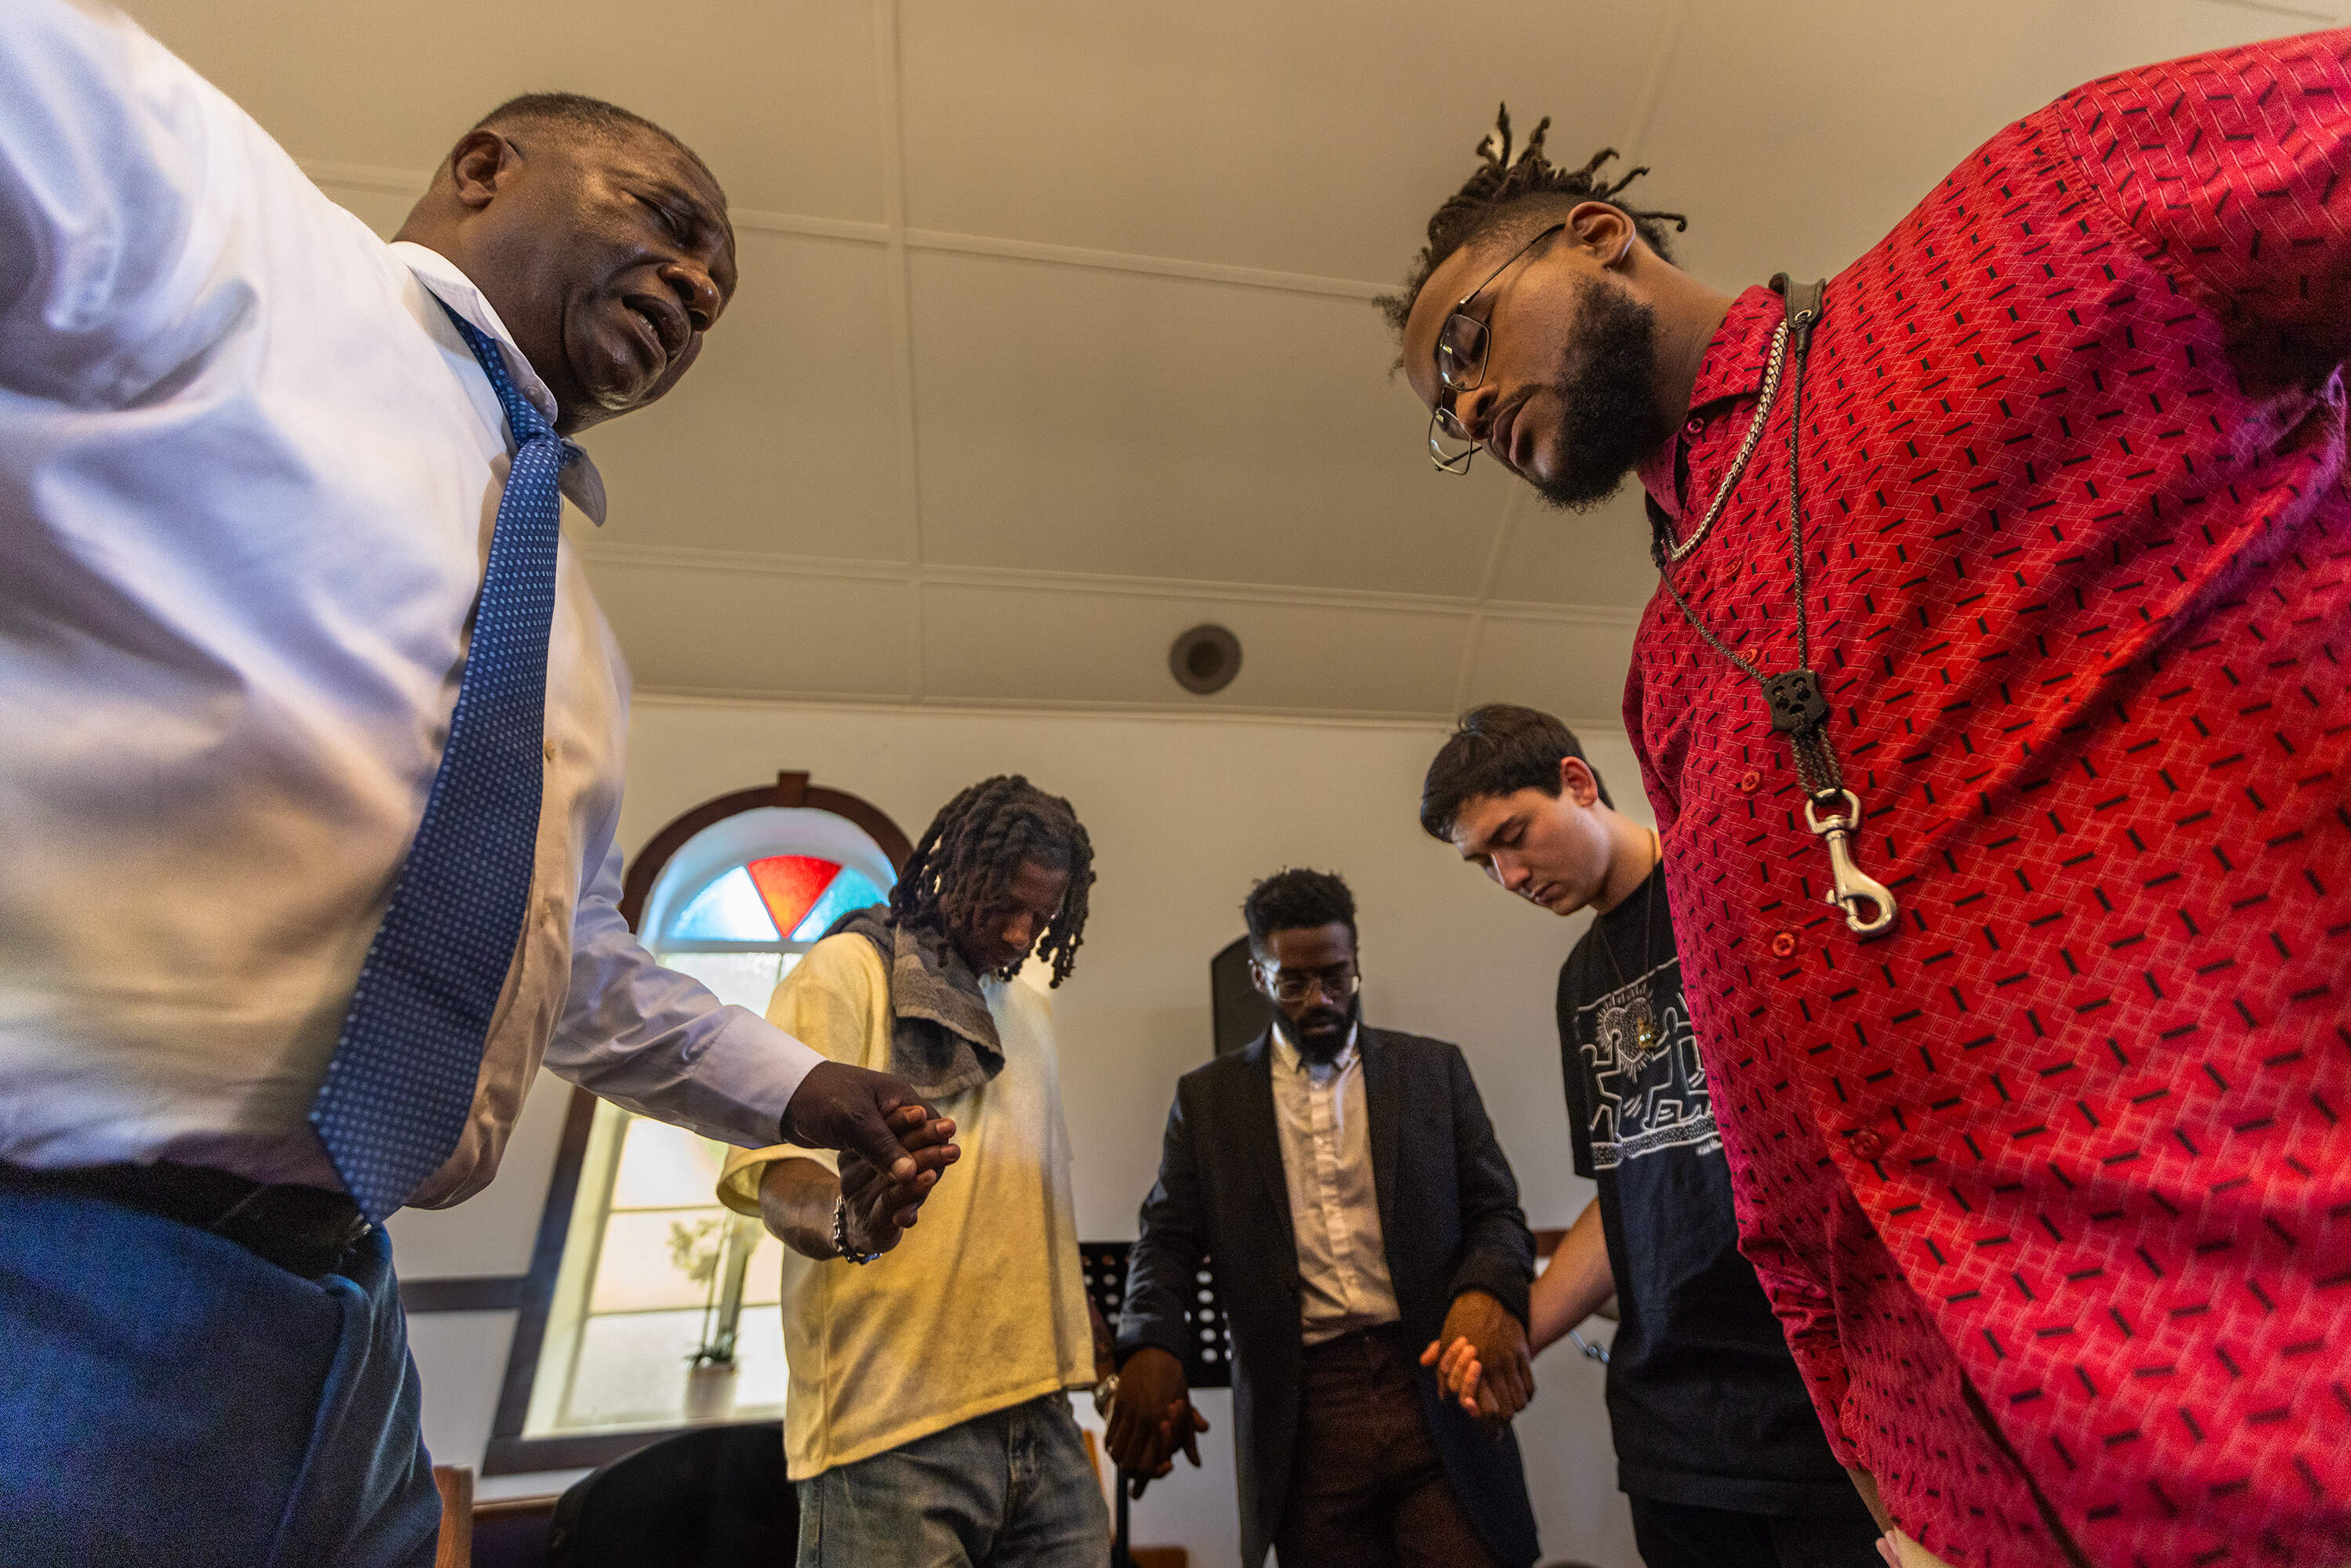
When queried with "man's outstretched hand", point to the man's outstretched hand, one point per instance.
{"points": [[1481, 1359], [861, 1112]]}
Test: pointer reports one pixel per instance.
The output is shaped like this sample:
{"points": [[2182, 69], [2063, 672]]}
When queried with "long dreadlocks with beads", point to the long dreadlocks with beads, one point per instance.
{"points": [[973, 847], [1516, 194]]}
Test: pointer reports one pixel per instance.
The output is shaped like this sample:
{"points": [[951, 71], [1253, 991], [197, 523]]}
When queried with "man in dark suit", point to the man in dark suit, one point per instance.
{"points": [[1348, 1184]]}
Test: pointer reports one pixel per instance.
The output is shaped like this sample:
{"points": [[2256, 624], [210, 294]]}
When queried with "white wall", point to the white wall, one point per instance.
{"points": [[1184, 814]]}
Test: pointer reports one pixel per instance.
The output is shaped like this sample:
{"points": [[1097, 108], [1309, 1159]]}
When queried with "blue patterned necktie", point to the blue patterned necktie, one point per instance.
{"points": [[400, 1084]]}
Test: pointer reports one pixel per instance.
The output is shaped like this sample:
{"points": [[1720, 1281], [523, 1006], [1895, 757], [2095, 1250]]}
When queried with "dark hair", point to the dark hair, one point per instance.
{"points": [[588, 116], [971, 850], [1297, 900], [1498, 749], [1512, 198]]}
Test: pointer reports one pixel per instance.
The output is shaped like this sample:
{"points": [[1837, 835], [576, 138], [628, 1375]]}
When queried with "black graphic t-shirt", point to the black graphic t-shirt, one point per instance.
{"points": [[1703, 1396]]}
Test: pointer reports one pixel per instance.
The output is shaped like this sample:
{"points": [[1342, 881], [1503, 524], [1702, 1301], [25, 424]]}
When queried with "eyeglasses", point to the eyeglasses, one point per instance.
{"points": [[1461, 345], [1338, 983]]}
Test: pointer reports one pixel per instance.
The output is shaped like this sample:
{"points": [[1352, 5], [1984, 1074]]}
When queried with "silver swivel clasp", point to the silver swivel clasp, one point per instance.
{"points": [[1850, 890]]}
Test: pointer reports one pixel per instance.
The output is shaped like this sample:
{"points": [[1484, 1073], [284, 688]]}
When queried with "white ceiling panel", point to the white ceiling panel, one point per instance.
{"points": [[1574, 668], [1797, 137], [1311, 137], [1053, 336], [728, 628], [779, 98], [784, 437], [1072, 645], [1085, 420], [1600, 557]]}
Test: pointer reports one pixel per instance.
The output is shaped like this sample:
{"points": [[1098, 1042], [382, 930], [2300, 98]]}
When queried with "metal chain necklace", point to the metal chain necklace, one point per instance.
{"points": [[1746, 450], [1645, 1028], [1798, 708]]}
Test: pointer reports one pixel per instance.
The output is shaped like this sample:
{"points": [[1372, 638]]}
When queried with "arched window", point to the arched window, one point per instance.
{"points": [[634, 1319]]}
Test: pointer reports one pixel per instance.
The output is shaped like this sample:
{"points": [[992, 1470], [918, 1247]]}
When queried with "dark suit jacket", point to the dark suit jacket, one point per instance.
{"points": [[1449, 1221]]}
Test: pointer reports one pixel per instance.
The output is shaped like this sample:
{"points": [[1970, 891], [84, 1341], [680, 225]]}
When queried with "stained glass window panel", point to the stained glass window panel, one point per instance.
{"points": [[790, 883], [729, 910], [849, 890]]}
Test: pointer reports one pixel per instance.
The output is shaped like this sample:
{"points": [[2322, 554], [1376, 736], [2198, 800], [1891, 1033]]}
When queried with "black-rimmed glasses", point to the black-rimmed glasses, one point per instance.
{"points": [[1461, 346], [1338, 983]]}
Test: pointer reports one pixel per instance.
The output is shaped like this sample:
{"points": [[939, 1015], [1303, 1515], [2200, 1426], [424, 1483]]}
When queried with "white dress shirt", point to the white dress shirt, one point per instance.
{"points": [[1334, 1206], [249, 474]]}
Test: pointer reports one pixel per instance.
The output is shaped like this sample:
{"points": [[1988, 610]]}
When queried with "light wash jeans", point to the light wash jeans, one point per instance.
{"points": [[1009, 1489]]}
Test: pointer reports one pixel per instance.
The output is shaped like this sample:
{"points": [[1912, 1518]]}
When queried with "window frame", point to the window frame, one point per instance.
{"points": [[509, 1452]]}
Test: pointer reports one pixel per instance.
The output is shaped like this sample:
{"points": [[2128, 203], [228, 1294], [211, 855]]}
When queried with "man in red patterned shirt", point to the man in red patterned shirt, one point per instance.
{"points": [[2040, 1136]]}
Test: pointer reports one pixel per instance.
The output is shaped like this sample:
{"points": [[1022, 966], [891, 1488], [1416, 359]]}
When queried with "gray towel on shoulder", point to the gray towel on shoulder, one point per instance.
{"points": [[942, 1037]]}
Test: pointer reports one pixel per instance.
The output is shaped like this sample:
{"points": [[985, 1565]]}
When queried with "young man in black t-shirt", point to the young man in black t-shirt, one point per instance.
{"points": [[1717, 1445]]}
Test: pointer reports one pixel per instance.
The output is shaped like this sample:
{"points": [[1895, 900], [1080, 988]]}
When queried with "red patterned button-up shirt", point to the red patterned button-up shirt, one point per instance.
{"points": [[2051, 1186]]}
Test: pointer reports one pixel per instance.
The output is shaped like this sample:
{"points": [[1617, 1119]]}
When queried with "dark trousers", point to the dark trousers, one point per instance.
{"points": [[1367, 1489], [1682, 1535], [168, 1398]]}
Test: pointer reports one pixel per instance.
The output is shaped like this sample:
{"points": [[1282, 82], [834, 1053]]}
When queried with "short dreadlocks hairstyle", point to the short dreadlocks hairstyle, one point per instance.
{"points": [[1510, 198], [973, 847], [1297, 900], [1498, 749], [579, 112]]}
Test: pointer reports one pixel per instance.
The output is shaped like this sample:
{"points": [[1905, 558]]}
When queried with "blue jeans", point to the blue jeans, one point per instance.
{"points": [[1009, 1489], [168, 1398]]}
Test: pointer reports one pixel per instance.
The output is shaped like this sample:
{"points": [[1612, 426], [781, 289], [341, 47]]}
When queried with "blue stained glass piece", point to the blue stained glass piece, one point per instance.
{"points": [[851, 890], [729, 910]]}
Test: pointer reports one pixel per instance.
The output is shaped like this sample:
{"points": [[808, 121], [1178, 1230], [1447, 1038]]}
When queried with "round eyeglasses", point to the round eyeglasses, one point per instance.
{"points": [[1461, 347]]}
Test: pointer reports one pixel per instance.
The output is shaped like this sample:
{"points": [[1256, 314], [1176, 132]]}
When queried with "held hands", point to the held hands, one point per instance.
{"points": [[869, 1114], [1150, 1417], [1481, 1360], [880, 1208]]}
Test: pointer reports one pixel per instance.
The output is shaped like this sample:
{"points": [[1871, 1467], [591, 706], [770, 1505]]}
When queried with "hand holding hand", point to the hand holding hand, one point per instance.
{"points": [[838, 1106], [1481, 1359], [1150, 1417], [880, 1208]]}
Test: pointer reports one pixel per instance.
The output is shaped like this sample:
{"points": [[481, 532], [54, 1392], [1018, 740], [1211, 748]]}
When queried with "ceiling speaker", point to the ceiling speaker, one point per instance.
{"points": [[1205, 659]]}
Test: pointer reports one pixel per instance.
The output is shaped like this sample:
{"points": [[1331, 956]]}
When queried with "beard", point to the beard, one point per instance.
{"points": [[1329, 1028], [1608, 392]]}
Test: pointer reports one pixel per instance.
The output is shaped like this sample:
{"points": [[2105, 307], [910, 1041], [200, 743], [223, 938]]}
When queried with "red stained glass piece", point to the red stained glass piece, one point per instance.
{"points": [[790, 885]]}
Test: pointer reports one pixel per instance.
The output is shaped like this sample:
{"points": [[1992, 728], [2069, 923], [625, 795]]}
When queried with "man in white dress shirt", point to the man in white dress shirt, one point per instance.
{"points": [[251, 462]]}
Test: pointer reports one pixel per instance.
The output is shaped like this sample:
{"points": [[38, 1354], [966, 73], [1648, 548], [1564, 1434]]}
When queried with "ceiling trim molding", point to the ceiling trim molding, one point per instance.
{"points": [[1042, 708], [1610, 617], [751, 220], [1032, 582], [1155, 265], [2298, 12], [682, 557], [364, 176], [1171, 713]]}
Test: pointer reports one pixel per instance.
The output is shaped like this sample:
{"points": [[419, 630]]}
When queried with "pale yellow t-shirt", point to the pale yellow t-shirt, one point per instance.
{"points": [[982, 1306]]}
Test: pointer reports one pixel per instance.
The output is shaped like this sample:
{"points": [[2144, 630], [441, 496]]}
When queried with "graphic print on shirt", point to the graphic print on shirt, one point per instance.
{"points": [[1644, 1101]]}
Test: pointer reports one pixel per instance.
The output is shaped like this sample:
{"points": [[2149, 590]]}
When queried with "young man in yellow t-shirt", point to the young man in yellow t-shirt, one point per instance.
{"points": [[925, 1421]]}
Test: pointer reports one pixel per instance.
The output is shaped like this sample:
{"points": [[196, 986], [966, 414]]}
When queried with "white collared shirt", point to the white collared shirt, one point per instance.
{"points": [[248, 475], [1334, 1206]]}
